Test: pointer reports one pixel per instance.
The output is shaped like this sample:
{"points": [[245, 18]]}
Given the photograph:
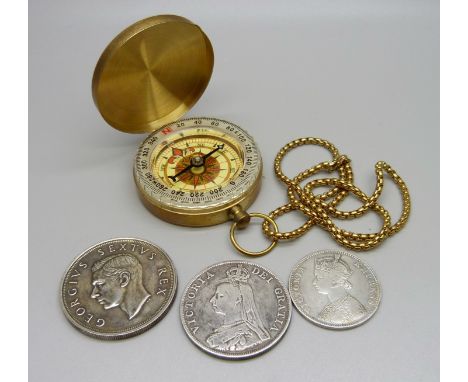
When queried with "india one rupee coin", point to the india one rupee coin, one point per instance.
{"points": [[235, 310], [118, 288], [334, 289]]}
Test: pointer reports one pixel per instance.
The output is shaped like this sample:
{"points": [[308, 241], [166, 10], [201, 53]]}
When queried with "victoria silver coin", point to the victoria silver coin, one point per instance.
{"points": [[334, 289], [235, 309], [118, 288]]}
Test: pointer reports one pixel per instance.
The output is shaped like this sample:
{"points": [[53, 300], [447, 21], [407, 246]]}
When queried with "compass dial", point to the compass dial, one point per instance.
{"points": [[190, 163], [193, 171]]}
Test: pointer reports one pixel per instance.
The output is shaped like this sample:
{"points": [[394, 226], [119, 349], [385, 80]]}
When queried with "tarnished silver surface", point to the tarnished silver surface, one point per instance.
{"points": [[118, 288], [235, 309], [334, 289]]}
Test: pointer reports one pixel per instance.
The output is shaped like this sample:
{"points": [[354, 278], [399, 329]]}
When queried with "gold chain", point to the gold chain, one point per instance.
{"points": [[321, 208]]}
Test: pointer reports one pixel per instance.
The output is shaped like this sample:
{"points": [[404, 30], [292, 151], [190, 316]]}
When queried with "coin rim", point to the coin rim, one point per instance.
{"points": [[321, 323], [127, 333], [218, 353]]}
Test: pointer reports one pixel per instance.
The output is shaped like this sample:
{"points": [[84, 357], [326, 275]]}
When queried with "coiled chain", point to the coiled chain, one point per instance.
{"points": [[321, 208]]}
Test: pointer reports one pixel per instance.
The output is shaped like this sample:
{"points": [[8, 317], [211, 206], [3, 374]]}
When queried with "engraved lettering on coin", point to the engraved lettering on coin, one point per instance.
{"points": [[118, 288], [235, 310], [334, 289]]}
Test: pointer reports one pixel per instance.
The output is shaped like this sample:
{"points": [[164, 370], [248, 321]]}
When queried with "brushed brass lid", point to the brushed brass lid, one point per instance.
{"points": [[152, 73]]}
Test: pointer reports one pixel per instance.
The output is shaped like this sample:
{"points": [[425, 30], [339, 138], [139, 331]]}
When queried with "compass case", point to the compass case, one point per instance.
{"points": [[152, 73], [146, 79]]}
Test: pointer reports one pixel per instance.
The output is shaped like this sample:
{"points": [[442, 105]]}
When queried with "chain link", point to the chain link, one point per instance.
{"points": [[321, 208]]}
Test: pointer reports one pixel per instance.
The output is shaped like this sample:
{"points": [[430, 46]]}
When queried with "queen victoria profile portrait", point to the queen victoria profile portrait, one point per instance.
{"points": [[332, 279], [117, 282], [234, 301]]}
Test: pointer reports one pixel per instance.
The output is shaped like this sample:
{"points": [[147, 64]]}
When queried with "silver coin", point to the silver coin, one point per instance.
{"points": [[334, 289], [235, 309], [118, 288]]}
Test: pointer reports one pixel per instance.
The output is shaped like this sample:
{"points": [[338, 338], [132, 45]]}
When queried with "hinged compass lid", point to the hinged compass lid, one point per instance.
{"points": [[152, 73]]}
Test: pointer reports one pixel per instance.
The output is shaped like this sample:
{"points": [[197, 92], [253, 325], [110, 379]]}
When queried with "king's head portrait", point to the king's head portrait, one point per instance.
{"points": [[117, 281]]}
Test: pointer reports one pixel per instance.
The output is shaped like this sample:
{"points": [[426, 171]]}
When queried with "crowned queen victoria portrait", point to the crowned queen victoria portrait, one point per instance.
{"points": [[234, 301], [332, 275]]}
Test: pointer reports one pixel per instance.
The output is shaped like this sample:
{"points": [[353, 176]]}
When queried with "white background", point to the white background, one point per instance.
{"points": [[363, 75]]}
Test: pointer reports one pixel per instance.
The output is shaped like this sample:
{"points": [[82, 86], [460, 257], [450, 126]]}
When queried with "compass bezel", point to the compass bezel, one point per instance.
{"points": [[198, 208]]}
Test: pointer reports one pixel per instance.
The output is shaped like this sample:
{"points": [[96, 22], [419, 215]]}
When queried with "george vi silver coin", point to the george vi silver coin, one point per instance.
{"points": [[235, 309], [334, 289], [118, 288]]}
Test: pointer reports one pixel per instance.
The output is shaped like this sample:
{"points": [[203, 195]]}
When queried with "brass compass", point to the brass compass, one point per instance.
{"points": [[198, 172], [204, 171], [195, 172]]}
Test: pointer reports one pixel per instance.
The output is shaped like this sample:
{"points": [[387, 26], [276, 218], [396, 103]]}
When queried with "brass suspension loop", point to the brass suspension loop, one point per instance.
{"points": [[267, 220], [321, 208]]}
